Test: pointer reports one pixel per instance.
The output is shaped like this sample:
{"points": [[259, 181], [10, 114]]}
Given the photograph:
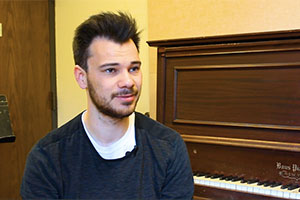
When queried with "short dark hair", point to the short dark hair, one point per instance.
{"points": [[118, 27]]}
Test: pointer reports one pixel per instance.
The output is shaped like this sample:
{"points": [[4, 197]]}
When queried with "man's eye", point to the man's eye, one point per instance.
{"points": [[135, 69], [110, 70]]}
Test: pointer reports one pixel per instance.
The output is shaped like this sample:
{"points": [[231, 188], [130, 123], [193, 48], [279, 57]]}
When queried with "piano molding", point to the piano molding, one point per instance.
{"points": [[235, 99]]}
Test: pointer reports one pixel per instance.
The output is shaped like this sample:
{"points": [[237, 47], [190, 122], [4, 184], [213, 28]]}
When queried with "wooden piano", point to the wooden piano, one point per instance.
{"points": [[235, 99]]}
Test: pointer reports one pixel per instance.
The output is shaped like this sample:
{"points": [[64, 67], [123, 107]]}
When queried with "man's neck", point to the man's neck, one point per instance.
{"points": [[104, 129]]}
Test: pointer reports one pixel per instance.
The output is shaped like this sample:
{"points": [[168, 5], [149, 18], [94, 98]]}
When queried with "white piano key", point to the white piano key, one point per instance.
{"points": [[294, 194], [249, 188]]}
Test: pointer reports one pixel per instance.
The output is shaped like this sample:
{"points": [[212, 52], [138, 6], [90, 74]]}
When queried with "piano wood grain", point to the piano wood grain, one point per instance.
{"points": [[235, 99]]}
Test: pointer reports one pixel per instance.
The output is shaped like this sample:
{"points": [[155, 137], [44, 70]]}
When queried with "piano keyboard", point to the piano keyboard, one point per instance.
{"points": [[250, 186]]}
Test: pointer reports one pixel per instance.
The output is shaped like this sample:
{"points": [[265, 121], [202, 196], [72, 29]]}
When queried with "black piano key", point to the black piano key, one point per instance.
{"points": [[268, 183], [275, 184], [252, 181], [236, 178], [285, 186], [200, 174], [244, 181], [293, 186], [217, 176], [228, 178], [262, 182], [208, 175]]}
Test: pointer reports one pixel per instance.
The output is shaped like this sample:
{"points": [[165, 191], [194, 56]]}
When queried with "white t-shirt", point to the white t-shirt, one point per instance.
{"points": [[119, 148]]}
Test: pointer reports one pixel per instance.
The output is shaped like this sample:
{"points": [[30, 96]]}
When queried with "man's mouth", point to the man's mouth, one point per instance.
{"points": [[126, 95]]}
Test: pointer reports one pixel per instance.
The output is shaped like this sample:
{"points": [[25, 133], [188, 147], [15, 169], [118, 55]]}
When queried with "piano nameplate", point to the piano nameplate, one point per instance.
{"points": [[289, 171]]}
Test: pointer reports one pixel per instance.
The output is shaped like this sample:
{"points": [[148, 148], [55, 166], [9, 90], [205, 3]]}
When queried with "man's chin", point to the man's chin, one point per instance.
{"points": [[118, 110], [126, 113], [119, 114]]}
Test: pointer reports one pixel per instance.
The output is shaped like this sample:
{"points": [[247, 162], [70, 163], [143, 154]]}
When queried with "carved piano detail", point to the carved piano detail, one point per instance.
{"points": [[235, 100]]}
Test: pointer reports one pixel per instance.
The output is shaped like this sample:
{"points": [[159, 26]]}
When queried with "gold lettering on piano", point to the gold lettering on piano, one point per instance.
{"points": [[291, 171], [296, 168], [281, 166]]}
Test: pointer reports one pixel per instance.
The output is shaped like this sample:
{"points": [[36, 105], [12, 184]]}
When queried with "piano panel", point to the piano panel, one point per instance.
{"points": [[264, 96], [208, 94], [235, 100]]}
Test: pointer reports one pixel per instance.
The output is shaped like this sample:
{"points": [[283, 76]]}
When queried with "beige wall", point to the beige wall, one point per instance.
{"points": [[194, 18], [162, 19], [69, 14]]}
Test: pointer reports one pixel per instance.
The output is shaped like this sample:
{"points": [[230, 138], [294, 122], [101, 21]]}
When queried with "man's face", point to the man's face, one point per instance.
{"points": [[114, 77]]}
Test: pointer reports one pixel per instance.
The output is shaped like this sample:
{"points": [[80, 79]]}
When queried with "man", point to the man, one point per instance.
{"points": [[109, 151]]}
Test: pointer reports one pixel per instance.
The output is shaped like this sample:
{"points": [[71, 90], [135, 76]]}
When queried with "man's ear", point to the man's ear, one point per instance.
{"points": [[80, 76]]}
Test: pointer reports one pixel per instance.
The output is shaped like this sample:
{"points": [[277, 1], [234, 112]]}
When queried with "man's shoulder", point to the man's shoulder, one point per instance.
{"points": [[67, 130], [155, 129]]}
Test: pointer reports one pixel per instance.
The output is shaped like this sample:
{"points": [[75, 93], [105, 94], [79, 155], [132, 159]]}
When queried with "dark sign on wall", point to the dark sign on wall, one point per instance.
{"points": [[6, 133]]}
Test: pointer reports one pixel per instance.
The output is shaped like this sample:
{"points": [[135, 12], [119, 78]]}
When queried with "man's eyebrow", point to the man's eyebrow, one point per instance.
{"points": [[117, 64], [109, 65], [136, 62]]}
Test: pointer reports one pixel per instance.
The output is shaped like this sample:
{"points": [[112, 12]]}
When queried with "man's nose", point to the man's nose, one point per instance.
{"points": [[125, 80]]}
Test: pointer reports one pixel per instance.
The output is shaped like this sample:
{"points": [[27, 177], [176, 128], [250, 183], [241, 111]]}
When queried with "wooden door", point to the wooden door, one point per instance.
{"points": [[25, 79]]}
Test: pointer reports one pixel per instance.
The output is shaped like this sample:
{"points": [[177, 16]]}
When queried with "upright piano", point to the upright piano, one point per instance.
{"points": [[235, 100]]}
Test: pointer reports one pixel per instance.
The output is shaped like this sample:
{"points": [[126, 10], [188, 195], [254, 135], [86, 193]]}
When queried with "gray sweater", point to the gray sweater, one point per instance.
{"points": [[65, 165]]}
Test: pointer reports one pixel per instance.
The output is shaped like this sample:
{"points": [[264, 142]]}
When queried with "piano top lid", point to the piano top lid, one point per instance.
{"points": [[232, 38]]}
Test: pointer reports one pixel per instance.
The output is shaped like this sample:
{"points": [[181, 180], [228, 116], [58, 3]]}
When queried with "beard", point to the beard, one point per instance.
{"points": [[105, 106]]}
